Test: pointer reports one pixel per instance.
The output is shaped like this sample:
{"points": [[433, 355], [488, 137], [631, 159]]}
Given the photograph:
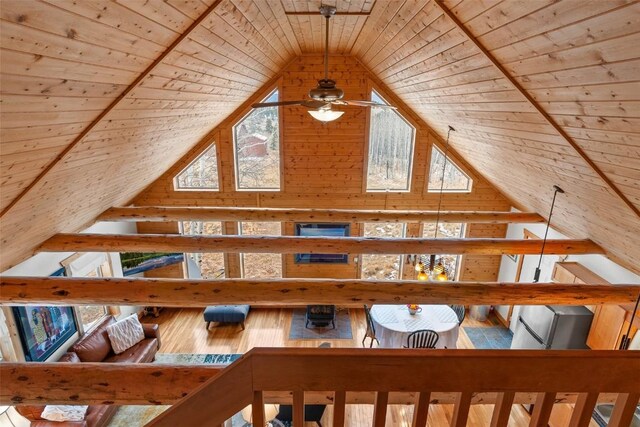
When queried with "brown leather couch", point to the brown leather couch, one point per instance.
{"points": [[96, 347]]}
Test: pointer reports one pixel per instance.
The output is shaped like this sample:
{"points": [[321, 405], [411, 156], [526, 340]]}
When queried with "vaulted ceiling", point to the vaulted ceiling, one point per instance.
{"points": [[100, 97]]}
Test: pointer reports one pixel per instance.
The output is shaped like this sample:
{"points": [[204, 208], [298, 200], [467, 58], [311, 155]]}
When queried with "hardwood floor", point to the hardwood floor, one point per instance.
{"points": [[183, 331]]}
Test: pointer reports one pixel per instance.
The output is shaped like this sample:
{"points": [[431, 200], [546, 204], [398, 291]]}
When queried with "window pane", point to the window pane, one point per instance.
{"points": [[446, 230], [211, 264], [391, 141], [261, 266], [202, 173], [382, 267], [454, 178], [257, 149], [90, 314]]}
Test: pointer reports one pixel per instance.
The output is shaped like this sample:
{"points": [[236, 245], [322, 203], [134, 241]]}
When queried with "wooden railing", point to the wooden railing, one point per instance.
{"points": [[462, 376]]}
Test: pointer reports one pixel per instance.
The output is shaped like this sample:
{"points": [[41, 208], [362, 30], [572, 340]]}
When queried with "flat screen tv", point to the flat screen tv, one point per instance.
{"points": [[322, 230]]}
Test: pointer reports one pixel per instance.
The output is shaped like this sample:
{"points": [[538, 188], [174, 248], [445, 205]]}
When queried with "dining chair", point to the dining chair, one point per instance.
{"points": [[460, 312], [423, 338], [371, 329]]}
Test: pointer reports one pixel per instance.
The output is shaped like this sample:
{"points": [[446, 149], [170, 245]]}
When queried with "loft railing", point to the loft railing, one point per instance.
{"points": [[461, 377]]}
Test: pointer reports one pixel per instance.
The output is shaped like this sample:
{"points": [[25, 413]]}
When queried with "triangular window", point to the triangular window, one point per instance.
{"points": [[201, 174], [454, 179]]}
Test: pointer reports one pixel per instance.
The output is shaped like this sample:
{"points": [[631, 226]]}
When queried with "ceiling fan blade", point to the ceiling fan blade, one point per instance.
{"points": [[312, 103], [366, 104], [278, 103]]}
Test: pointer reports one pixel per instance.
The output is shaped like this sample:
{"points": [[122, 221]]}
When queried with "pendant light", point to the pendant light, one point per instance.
{"points": [[438, 271], [536, 276]]}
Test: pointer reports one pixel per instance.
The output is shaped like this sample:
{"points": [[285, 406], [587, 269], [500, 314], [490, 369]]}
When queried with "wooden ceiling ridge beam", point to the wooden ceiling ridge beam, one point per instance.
{"points": [[319, 245], [179, 213], [201, 293], [111, 106], [538, 107]]}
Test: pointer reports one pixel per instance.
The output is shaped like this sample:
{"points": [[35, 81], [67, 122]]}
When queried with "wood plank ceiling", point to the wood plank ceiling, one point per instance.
{"points": [[100, 97]]}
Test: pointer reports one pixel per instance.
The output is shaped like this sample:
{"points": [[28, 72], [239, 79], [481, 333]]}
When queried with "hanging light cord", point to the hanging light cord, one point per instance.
{"points": [[444, 167], [557, 189], [624, 345]]}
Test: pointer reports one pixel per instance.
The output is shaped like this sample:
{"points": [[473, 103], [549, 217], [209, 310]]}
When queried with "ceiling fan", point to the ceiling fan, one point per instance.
{"points": [[326, 93]]}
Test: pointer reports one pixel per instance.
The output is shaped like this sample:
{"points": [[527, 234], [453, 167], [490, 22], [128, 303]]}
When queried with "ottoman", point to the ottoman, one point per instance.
{"points": [[226, 314]]}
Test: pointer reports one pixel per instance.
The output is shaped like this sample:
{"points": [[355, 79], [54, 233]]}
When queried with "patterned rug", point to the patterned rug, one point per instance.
{"points": [[139, 415], [494, 337], [300, 332]]}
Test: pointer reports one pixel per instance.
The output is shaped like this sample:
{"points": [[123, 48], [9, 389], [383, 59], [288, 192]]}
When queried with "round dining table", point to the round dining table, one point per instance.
{"points": [[393, 324]]}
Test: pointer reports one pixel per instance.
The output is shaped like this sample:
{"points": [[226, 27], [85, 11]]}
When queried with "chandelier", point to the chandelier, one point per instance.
{"points": [[434, 269]]}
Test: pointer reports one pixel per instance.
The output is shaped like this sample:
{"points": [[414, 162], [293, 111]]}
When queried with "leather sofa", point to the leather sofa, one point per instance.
{"points": [[96, 347]]}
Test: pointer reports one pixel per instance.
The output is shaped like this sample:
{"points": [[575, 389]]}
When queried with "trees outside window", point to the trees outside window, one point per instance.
{"points": [[382, 267], [446, 230], [259, 265], [455, 180], [256, 140], [391, 142], [201, 174], [211, 264]]}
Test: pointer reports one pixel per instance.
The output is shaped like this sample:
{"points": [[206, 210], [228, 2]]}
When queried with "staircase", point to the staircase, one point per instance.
{"points": [[420, 377]]}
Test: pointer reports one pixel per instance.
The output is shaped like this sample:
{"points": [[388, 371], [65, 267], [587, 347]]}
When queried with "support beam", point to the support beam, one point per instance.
{"points": [[200, 293], [315, 245], [170, 213], [100, 383]]}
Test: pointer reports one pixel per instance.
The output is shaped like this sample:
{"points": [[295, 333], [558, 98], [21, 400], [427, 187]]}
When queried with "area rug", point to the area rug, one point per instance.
{"points": [[139, 415], [194, 359], [495, 337], [342, 330]]}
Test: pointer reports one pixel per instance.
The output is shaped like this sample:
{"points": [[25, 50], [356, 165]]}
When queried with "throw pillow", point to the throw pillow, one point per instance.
{"points": [[64, 412], [125, 333]]}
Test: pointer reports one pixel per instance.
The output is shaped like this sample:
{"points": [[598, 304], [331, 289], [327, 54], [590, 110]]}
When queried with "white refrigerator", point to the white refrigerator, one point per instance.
{"points": [[552, 327]]}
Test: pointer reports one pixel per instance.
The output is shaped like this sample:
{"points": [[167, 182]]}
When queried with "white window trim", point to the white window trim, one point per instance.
{"points": [[235, 149], [176, 186], [444, 190], [411, 155]]}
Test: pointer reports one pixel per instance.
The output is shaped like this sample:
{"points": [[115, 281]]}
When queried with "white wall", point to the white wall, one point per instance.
{"points": [[600, 265], [46, 263]]}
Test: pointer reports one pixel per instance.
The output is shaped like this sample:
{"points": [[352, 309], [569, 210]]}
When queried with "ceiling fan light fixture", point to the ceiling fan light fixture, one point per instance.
{"points": [[325, 115]]}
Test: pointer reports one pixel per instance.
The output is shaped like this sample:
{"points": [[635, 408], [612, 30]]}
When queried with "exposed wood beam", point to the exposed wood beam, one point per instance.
{"points": [[537, 106], [100, 383], [316, 245], [201, 293], [336, 14], [167, 213], [113, 105]]}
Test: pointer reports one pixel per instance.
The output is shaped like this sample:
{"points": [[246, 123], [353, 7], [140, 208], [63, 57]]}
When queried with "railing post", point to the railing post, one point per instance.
{"points": [[461, 411], [339, 402], [502, 409], [421, 409], [257, 410], [624, 409], [583, 409], [380, 409], [298, 408], [542, 409]]}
